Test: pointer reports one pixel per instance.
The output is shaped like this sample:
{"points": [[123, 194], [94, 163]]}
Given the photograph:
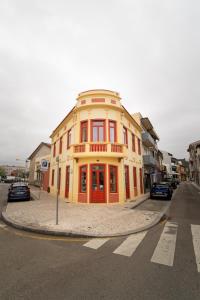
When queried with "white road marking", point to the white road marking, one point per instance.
{"points": [[96, 243], [165, 249], [128, 247], [196, 243]]}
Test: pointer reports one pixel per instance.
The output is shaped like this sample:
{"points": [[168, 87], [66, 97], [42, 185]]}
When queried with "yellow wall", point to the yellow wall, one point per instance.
{"points": [[87, 110]]}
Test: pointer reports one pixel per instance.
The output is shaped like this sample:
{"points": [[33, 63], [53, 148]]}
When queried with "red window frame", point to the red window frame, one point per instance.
{"points": [[125, 136], [139, 146], [135, 177], [116, 176], [69, 138], [133, 142], [98, 126], [80, 175], [52, 176], [67, 181], [54, 149], [60, 145], [115, 130], [84, 124]]}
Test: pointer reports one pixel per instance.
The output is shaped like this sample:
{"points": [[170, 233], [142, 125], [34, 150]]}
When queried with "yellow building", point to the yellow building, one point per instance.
{"points": [[96, 152]]}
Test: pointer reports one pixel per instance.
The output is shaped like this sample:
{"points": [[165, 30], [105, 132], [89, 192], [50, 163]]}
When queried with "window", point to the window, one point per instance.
{"points": [[54, 149], [139, 146], [125, 136], [52, 177], [133, 142], [83, 179], [112, 132], [67, 181], [69, 137], [113, 179], [60, 146], [135, 181], [98, 131], [84, 131], [141, 181]]}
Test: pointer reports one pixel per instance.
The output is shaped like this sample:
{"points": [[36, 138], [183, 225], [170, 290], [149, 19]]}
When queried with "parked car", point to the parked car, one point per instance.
{"points": [[19, 191], [172, 182], [161, 190]]}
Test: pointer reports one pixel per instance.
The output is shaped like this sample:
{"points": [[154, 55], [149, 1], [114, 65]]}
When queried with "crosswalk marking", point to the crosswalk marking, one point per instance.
{"points": [[96, 243], [165, 249], [128, 247], [196, 243]]}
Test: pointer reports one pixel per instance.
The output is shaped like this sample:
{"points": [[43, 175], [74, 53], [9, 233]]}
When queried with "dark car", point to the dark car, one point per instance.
{"points": [[172, 182], [19, 191], [161, 190]]}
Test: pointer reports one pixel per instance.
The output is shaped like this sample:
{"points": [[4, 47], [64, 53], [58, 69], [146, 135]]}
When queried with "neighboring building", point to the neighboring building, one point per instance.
{"points": [[36, 176], [194, 161], [13, 170], [152, 157], [183, 169], [98, 146], [167, 162]]}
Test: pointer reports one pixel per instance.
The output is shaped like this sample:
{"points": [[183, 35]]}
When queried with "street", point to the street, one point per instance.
{"points": [[158, 264]]}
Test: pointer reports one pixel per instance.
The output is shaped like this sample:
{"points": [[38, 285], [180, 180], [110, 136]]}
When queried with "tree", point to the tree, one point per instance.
{"points": [[2, 172]]}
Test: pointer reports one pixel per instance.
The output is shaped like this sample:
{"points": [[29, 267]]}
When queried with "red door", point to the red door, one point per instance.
{"points": [[127, 184], [98, 183], [67, 182]]}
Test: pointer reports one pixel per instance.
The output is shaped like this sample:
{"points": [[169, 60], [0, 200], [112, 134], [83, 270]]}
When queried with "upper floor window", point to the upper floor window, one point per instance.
{"points": [[98, 130], [112, 132], [60, 146], [133, 142], [54, 149], [139, 146], [84, 131], [125, 136], [69, 138]]}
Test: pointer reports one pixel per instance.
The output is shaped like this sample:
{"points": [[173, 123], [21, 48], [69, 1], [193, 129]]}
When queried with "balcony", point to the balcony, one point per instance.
{"points": [[147, 140], [103, 149], [149, 160]]}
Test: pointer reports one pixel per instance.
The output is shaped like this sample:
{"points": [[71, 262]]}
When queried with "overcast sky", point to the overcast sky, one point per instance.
{"points": [[148, 51]]}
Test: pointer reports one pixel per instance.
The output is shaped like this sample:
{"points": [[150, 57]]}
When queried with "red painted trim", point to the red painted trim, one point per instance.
{"points": [[127, 182], [69, 140], [115, 128], [98, 100], [81, 127], [54, 149], [135, 180], [125, 136], [67, 181], [79, 184], [105, 179], [133, 142], [91, 127], [52, 176], [113, 101], [83, 101], [60, 145], [139, 146], [116, 174]]}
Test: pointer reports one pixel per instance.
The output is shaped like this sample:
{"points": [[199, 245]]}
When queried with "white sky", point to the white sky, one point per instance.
{"points": [[50, 51]]}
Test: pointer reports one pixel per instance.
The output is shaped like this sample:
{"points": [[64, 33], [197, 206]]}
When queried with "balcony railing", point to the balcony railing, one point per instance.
{"points": [[149, 160], [148, 140], [100, 147]]}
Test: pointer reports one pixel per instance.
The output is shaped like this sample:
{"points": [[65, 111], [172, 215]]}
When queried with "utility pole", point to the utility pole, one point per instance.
{"points": [[58, 183]]}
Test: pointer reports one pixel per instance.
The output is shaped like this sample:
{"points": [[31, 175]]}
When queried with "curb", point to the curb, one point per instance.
{"points": [[46, 231]]}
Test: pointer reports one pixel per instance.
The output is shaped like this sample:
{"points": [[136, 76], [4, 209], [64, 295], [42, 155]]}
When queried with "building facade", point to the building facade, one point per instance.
{"points": [[152, 157], [96, 153], [36, 175], [194, 161]]}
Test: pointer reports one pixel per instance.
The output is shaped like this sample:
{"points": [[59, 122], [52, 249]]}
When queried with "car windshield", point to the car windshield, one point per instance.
{"points": [[161, 184], [20, 188]]}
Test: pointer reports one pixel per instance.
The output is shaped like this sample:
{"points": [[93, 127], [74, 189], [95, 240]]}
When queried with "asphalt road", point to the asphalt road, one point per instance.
{"points": [[40, 267]]}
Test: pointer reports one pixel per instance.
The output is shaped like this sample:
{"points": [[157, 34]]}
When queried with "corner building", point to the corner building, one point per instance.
{"points": [[98, 146]]}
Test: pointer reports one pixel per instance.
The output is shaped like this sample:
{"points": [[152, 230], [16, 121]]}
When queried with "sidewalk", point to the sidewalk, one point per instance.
{"points": [[94, 220]]}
